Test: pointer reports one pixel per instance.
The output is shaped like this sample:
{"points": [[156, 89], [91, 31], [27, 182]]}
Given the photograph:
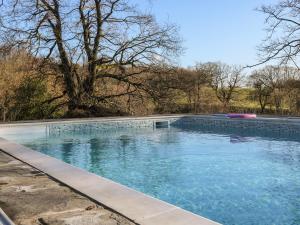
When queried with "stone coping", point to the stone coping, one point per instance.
{"points": [[90, 120], [290, 120], [136, 206]]}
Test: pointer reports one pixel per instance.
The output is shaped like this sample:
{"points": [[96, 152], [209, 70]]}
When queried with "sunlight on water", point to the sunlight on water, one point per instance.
{"points": [[226, 177]]}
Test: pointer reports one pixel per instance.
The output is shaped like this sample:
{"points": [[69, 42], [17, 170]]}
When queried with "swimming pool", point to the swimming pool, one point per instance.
{"points": [[248, 177]]}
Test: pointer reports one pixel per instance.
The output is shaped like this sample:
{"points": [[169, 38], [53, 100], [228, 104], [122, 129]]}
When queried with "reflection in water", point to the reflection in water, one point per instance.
{"points": [[125, 140], [96, 146], [239, 139], [67, 151], [125, 145]]}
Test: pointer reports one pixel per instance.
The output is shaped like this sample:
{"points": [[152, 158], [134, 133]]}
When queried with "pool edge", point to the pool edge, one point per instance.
{"points": [[288, 120], [136, 206]]}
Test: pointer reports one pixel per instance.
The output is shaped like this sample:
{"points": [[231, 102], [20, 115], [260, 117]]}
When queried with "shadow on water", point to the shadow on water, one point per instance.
{"points": [[243, 133], [289, 143]]}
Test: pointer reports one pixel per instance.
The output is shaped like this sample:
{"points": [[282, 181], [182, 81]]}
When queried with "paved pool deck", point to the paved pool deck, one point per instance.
{"points": [[30, 197]]}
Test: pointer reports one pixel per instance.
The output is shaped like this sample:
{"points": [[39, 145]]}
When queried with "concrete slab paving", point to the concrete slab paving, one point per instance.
{"points": [[30, 197]]}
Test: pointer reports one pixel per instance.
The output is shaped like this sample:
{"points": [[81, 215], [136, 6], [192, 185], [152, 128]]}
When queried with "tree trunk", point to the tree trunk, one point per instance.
{"points": [[4, 114]]}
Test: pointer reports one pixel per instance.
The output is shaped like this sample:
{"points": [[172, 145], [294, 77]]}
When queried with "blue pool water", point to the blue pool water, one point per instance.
{"points": [[244, 180]]}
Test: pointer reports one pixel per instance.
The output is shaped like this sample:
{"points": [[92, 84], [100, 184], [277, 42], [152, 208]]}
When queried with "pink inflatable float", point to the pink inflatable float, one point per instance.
{"points": [[241, 115]]}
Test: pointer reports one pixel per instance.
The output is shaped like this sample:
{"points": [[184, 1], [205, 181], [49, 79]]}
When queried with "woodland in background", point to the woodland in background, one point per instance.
{"points": [[85, 58], [30, 90]]}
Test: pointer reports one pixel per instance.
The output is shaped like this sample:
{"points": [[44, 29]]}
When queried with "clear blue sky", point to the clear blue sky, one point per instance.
{"points": [[214, 30]]}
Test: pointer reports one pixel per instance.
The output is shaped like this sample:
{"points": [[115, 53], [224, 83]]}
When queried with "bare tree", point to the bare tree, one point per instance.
{"points": [[262, 82], [282, 43], [273, 85], [90, 41], [202, 78], [224, 81]]}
